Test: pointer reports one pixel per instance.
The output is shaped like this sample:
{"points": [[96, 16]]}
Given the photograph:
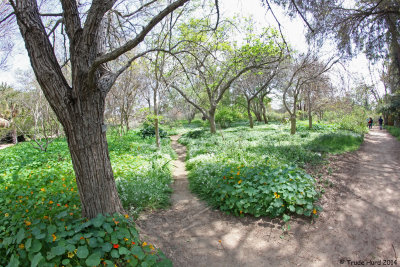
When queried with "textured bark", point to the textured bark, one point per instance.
{"points": [[251, 124], [309, 109], [292, 124], [211, 119]]}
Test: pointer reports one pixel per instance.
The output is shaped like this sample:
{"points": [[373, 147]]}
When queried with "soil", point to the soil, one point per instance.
{"points": [[359, 224], [2, 146]]}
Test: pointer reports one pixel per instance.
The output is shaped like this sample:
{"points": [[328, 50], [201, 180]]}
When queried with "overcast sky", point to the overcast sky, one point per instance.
{"points": [[293, 31]]}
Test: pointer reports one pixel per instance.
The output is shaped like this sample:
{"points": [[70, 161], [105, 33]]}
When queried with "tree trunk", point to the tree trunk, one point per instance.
{"points": [[86, 136], [293, 124], [156, 129], [309, 109], [251, 124], [211, 119], [263, 110]]}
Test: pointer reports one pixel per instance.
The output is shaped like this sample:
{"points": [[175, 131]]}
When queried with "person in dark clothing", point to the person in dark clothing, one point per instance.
{"points": [[380, 123], [370, 123]]}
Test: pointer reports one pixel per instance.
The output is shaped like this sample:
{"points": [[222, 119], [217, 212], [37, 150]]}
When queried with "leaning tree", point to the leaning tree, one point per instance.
{"points": [[79, 100]]}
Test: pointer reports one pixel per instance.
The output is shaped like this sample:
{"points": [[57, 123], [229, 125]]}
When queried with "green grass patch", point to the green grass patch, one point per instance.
{"points": [[337, 142], [40, 221], [395, 131]]}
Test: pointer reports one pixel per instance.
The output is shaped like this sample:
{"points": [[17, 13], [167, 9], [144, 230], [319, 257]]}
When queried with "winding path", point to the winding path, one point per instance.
{"points": [[360, 221]]}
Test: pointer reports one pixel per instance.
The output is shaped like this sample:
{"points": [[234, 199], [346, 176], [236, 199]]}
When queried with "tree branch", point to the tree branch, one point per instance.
{"points": [[138, 39]]}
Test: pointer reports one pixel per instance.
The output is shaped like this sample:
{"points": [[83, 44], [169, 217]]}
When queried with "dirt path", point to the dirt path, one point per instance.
{"points": [[2, 146], [360, 221]]}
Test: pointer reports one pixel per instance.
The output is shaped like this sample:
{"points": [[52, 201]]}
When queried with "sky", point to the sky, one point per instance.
{"points": [[293, 31]]}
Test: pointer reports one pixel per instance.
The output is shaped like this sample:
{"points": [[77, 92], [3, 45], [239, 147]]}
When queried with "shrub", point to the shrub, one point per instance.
{"points": [[195, 134], [148, 129], [225, 116], [260, 190], [395, 131]]}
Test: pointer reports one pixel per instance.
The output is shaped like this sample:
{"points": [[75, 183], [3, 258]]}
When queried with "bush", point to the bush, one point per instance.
{"points": [[148, 130], [395, 131], [225, 116], [355, 121], [195, 134], [259, 191]]}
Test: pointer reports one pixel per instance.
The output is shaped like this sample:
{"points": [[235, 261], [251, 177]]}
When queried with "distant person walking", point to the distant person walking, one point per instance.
{"points": [[380, 123], [370, 121]]}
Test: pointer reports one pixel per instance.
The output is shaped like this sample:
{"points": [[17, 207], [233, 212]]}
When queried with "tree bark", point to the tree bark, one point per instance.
{"points": [[251, 124], [309, 109], [87, 144], [292, 124], [211, 119]]}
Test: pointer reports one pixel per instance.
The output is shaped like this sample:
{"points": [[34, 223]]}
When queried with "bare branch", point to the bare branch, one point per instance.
{"points": [[138, 39]]}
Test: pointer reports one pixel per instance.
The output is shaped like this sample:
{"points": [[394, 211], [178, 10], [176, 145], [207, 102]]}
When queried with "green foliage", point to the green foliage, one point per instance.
{"points": [[195, 134], [260, 190], [40, 222], [356, 121], [337, 142], [65, 239], [240, 155], [148, 129], [225, 116], [395, 131]]}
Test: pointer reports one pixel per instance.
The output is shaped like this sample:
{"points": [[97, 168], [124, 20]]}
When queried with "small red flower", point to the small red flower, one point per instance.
{"points": [[115, 246], [133, 243]]}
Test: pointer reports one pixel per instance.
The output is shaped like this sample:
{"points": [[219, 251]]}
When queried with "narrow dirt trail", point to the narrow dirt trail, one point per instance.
{"points": [[360, 221]]}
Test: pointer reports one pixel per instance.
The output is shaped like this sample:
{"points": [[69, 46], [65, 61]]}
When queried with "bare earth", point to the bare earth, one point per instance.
{"points": [[360, 220], [2, 146]]}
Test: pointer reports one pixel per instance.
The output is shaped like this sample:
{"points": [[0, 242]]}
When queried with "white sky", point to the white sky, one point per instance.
{"points": [[293, 31]]}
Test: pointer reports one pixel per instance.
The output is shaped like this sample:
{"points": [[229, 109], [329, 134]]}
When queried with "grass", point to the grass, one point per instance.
{"points": [[40, 213], [395, 131], [230, 168]]}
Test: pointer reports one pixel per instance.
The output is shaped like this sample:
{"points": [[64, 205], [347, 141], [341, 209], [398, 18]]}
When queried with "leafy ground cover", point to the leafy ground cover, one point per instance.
{"points": [[258, 171], [395, 131], [40, 222]]}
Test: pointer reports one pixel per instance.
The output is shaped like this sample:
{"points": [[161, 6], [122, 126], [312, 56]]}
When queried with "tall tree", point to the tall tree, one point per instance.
{"points": [[79, 105], [214, 63]]}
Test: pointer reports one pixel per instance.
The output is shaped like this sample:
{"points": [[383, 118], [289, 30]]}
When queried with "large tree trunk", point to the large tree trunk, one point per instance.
{"points": [[251, 124], [86, 136]]}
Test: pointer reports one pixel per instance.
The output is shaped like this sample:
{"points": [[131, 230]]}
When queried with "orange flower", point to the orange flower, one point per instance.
{"points": [[54, 237], [66, 205], [126, 216], [45, 217], [42, 189], [71, 213], [133, 243], [115, 246], [58, 204], [314, 211], [27, 223], [238, 173], [82, 237], [240, 181], [51, 202]]}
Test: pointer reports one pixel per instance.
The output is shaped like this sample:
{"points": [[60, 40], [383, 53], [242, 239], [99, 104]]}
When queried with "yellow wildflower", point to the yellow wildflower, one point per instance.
{"points": [[45, 217], [6, 215], [54, 237], [51, 202], [314, 211], [42, 189], [144, 244], [240, 181], [70, 255], [126, 216], [27, 223], [21, 246], [238, 173], [125, 239], [151, 247]]}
